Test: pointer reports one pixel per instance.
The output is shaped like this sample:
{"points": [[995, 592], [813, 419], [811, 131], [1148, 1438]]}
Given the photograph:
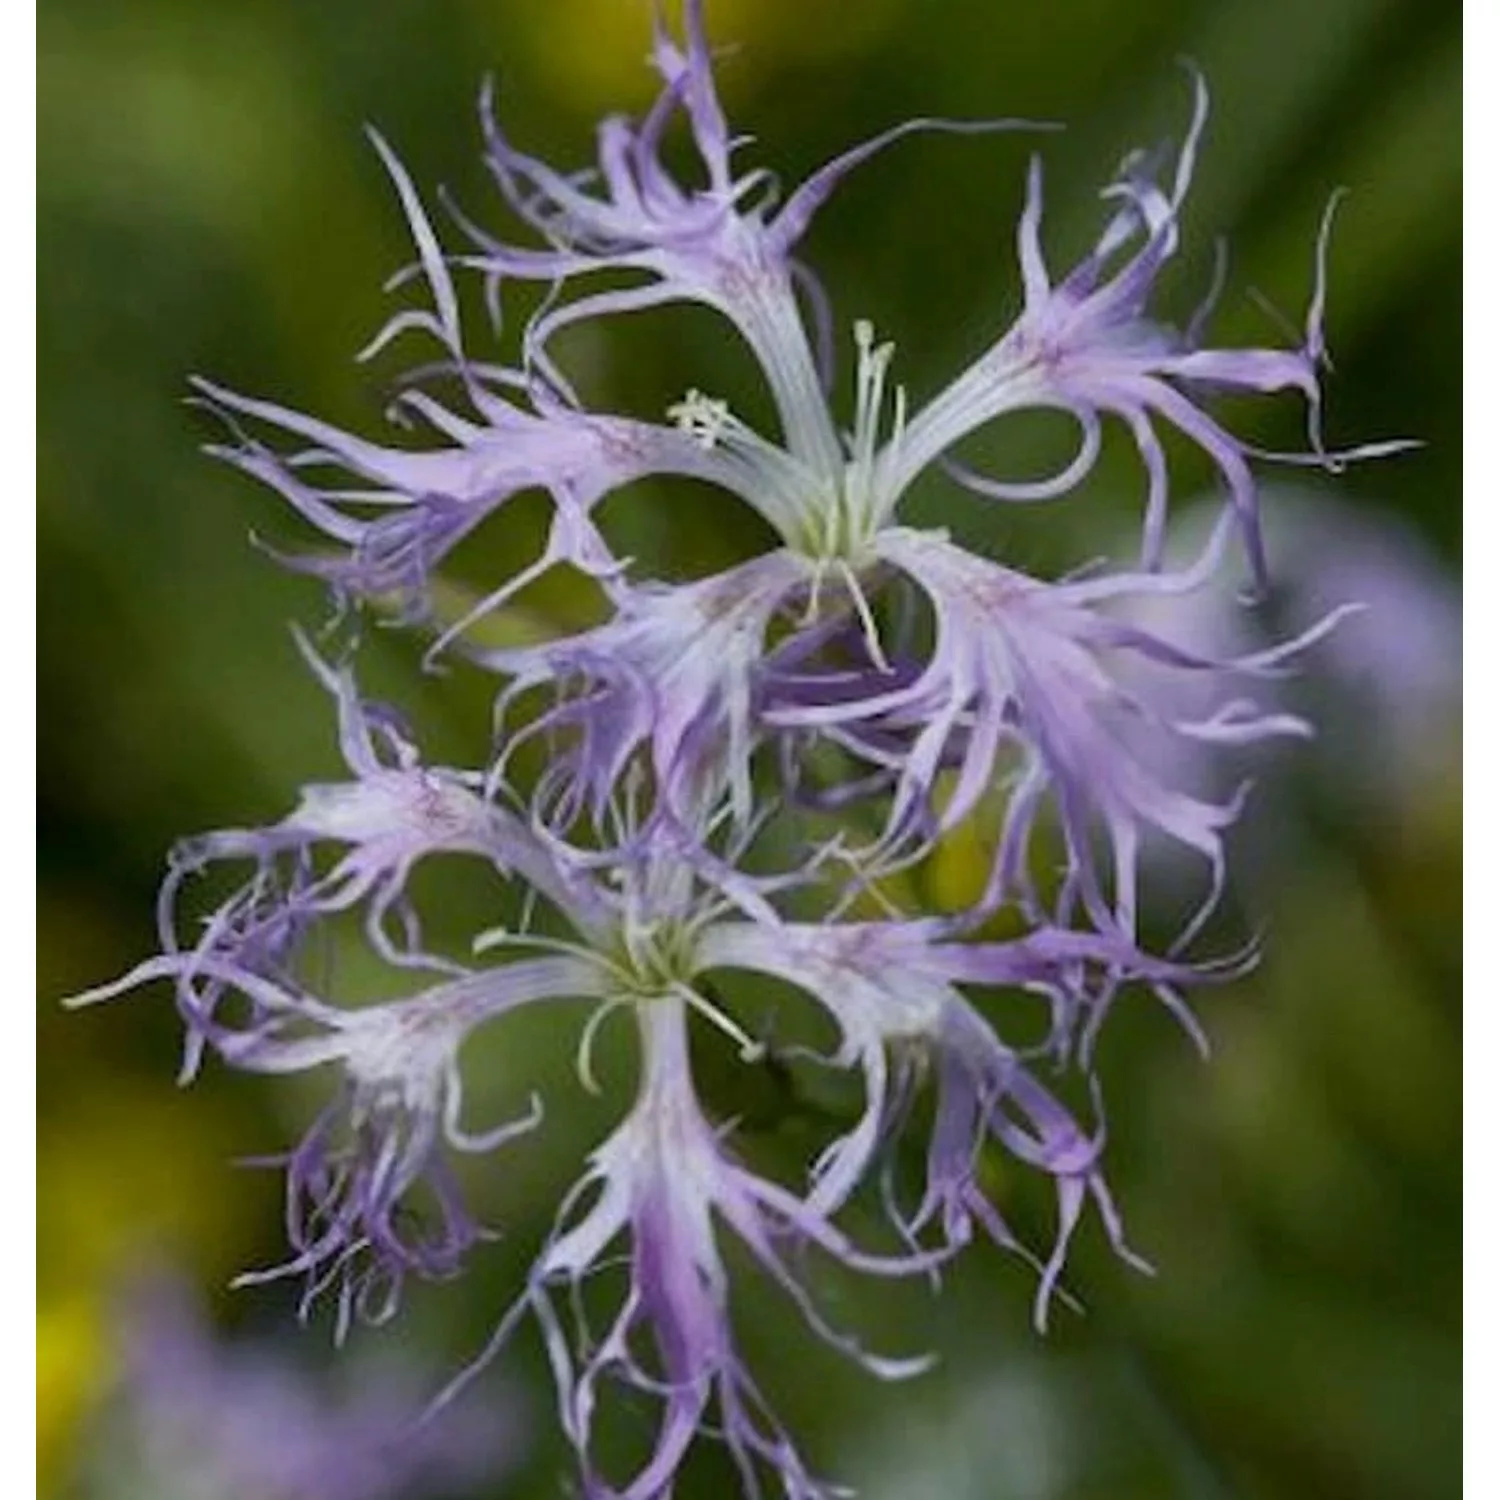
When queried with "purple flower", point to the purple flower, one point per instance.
{"points": [[361, 1178], [664, 1180], [396, 513], [725, 244], [370, 1197], [897, 682], [892, 990], [1088, 346], [196, 1416], [674, 673], [1030, 669]]}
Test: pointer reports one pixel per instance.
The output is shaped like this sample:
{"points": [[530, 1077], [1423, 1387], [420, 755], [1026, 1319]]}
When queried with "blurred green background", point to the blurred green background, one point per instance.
{"points": [[207, 204]]}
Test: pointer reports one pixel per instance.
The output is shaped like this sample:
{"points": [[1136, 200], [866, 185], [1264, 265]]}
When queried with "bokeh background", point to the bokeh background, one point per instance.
{"points": [[207, 204]]}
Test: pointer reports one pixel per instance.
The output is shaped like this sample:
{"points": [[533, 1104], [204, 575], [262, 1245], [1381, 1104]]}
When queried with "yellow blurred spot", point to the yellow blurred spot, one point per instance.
{"points": [[127, 1177], [135, 1175], [594, 52], [959, 868], [953, 877], [795, 29], [72, 1371]]}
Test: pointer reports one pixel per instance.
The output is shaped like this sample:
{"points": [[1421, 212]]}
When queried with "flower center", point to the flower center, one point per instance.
{"points": [[655, 957], [828, 515]]}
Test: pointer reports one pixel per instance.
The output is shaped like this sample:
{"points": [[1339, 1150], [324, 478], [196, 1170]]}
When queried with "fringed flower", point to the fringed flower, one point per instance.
{"points": [[370, 1196], [652, 829], [725, 244], [1089, 346], [394, 813], [396, 513], [1023, 683], [666, 1184], [675, 676], [892, 990]]}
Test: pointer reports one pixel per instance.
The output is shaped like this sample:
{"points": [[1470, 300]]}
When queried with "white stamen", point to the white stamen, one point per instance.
{"points": [[866, 618], [815, 593], [751, 1051], [585, 1057], [862, 503]]}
